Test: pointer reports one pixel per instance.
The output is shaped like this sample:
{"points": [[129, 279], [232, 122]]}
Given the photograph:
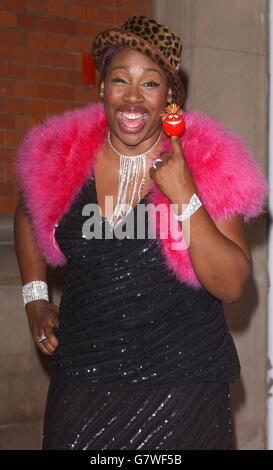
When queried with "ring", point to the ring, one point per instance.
{"points": [[155, 162], [41, 338]]}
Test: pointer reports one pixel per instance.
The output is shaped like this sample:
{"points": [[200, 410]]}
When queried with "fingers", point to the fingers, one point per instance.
{"points": [[51, 337], [42, 322], [163, 157], [176, 145], [49, 343]]}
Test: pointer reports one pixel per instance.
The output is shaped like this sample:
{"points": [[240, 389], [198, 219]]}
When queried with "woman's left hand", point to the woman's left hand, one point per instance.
{"points": [[173, 175]]}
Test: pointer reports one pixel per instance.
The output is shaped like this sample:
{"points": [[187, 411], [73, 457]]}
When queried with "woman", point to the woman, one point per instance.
{"points": [[140, 353]]}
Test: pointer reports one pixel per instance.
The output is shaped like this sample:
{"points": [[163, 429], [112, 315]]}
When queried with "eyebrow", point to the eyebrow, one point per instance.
{"points": [[127, 70], [152, 70]]}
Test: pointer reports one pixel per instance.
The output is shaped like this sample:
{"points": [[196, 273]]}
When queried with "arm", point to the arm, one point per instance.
{"points": [[42, 315], [219, 253]]}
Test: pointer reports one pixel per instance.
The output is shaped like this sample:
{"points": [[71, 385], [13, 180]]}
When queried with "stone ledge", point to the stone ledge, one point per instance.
{"points": [[9, 269], [6, 229], [21, 436]]}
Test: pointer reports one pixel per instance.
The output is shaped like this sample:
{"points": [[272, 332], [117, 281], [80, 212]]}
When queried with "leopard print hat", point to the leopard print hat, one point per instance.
{"points": [[154, 40]]}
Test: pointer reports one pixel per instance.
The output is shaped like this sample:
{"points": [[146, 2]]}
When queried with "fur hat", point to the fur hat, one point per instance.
{"points": [[154, 40]]}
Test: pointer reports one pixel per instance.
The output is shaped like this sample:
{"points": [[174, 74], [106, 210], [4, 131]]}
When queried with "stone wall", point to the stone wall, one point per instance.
{"points": [[23, 371]]}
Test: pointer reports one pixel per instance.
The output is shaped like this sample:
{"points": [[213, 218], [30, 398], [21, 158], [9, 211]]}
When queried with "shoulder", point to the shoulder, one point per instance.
{"points": [[226, 172], [208, 142], [209, 132]]}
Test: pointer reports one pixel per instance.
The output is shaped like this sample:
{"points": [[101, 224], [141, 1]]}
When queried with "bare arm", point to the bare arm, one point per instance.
{"points": [[42, 315], [219, 254], [31, 264]]}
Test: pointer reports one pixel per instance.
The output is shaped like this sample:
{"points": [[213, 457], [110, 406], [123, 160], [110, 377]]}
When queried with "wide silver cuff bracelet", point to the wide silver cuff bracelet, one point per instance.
{"points": [[35, 290], [193, 205]]}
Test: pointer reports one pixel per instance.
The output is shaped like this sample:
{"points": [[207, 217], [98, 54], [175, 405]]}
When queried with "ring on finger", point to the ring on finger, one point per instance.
{"points": [[41, 338], [155, 162]]}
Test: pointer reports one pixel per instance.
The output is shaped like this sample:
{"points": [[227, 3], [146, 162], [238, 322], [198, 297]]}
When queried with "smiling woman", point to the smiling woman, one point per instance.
{"points": [[140, 352], [135, 91]]}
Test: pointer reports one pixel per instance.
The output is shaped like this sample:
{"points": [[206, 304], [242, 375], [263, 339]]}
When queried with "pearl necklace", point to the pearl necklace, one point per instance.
{"points": [[129, 174]]}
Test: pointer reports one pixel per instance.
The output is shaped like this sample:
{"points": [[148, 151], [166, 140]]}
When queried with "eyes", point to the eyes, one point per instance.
{"points": [[148, 84]]}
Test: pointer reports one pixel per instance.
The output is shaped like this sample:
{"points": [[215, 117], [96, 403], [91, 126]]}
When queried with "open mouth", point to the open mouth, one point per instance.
{"points": [[132, 120]]}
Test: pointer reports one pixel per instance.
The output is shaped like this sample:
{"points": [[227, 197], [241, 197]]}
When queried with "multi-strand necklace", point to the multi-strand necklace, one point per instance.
{"points": [[129, 175]]}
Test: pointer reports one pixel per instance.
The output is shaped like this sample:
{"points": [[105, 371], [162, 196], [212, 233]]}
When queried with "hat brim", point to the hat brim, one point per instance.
{"points": [[120, 38]]}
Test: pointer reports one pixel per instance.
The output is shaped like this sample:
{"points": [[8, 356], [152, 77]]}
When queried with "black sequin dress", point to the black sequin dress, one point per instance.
{"points": [[143, 361]]}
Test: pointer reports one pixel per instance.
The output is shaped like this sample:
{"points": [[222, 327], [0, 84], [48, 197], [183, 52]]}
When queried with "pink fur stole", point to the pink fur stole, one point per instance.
{"points": [[56, 157]]}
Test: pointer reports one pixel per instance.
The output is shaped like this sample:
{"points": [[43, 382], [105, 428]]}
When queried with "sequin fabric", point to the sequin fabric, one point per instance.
{"points": [[189, 417], [126, 322], [143, 361]]}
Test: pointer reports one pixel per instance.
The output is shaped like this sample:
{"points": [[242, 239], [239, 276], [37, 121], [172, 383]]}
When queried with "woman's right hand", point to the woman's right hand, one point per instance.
{"points": [[43, 318]]}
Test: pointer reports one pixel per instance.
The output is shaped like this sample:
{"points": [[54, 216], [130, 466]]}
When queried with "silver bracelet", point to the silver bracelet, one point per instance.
{"points": [[35, 290], [193, 205]]}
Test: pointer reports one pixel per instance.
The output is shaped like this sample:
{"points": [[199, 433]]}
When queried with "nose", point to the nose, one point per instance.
{"points": [[133, 94]]}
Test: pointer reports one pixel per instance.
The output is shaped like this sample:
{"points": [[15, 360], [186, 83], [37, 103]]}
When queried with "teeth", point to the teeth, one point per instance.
{"points": [[133, 116], [132, 119]]}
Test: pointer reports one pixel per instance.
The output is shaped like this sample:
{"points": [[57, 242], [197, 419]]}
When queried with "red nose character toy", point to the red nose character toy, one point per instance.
{"points": [[173, 123]]}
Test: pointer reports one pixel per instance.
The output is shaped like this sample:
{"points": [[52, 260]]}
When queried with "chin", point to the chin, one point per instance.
{"points": [[131, 138]]}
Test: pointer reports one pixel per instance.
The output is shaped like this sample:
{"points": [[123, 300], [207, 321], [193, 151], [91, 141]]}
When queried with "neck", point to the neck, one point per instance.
{"points": [[147, 146]]}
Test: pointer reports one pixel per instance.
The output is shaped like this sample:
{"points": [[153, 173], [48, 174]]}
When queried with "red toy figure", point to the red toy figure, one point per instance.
{"points": [[173, 123]]}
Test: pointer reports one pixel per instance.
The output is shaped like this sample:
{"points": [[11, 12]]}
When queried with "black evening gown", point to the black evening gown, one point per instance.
{"points": [[143, 361]]}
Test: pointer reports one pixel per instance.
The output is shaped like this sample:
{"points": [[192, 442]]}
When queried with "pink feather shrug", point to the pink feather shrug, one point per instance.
{"points": [[55, 159]]}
